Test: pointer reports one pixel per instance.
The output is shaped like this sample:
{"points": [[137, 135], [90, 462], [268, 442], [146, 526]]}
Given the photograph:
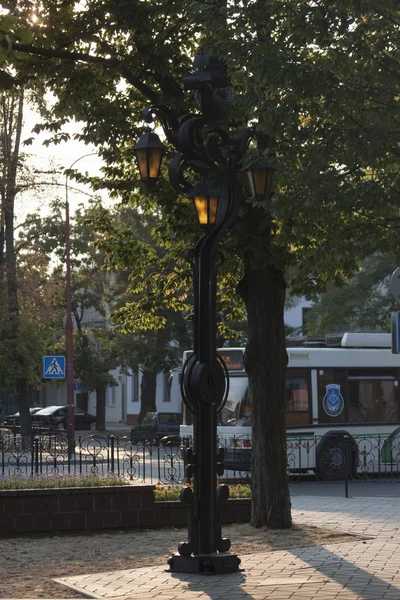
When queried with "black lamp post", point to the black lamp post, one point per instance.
{"points": [[212, 151]]}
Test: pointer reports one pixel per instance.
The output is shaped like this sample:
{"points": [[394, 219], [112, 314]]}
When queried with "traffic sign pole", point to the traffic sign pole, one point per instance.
{"points": [[395, 333], [394, 286], [69, 332]]}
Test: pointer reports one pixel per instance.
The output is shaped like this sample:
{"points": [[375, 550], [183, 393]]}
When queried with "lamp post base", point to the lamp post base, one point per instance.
{"points": [[205, 564]]}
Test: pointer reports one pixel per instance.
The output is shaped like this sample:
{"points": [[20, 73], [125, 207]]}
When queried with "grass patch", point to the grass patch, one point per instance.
{"points": [[14, 482], [170, 492]]}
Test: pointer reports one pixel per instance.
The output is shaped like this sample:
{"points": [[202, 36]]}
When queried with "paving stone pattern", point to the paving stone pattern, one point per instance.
{"points": [[355, 570]]}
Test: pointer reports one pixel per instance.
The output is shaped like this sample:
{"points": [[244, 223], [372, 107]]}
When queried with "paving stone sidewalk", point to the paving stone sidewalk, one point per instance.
{"points": [[355, 570]]}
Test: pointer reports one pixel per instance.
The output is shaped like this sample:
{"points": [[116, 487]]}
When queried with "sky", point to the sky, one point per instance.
{"points": [[55, 158]]}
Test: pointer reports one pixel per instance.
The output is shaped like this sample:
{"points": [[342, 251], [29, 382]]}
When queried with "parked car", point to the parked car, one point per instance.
{"points": [[156, 425], [56, 417], [237, 456], [243, 422], [12, 422], [238, 459]]}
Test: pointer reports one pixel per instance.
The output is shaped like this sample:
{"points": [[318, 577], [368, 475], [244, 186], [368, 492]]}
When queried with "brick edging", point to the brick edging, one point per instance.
{"points": [[109, 507]]}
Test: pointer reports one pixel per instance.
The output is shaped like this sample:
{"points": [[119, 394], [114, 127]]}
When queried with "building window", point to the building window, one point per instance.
{"points": [[110, 396], [135, 386]]}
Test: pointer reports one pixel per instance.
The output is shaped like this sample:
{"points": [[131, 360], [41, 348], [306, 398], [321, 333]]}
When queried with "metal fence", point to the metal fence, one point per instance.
{"points": [[315, 458], [332, 457], [145, 462]]}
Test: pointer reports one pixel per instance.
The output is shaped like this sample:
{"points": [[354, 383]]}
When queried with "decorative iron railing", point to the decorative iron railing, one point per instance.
{"points": [[144, 462], [326, 458]]}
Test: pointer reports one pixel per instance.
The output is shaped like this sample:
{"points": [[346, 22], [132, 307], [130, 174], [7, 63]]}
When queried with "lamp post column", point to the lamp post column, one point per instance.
{"points": [[205, 428], [205, 385]]}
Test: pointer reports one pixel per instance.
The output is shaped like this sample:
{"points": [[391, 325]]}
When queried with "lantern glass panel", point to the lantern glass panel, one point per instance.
{"points": [[213, 208], [141, 155], [258, 179], [206, 209], [155, 156], [201, 209]]}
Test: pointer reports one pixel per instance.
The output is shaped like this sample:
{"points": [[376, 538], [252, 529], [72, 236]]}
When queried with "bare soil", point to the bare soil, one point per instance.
{"points": [[28, 564]]}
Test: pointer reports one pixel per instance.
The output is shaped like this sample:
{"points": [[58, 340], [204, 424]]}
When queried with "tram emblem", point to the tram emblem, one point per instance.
{"points": [[333, 402]]}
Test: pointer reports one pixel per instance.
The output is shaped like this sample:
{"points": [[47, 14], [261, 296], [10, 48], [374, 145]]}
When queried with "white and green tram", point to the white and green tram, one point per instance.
{"points": [[348, 391]]}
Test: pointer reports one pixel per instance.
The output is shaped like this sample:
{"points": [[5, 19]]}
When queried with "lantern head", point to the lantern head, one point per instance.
{"points": [[149, 152]]}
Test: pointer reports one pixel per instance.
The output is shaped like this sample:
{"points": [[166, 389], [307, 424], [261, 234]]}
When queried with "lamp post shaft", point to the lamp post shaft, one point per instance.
{"points": [[205, 386], [204, 284], [205, 427]]}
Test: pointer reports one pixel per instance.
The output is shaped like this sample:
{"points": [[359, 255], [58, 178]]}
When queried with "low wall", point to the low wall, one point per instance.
{"points": [[77, 509]]}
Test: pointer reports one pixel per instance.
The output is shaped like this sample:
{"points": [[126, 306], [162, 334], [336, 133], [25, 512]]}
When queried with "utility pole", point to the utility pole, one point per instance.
{"points": [[69, 325]]}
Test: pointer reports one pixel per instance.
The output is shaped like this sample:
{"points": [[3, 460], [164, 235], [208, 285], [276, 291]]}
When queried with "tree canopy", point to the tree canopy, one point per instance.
{"points": [[362, 303]]}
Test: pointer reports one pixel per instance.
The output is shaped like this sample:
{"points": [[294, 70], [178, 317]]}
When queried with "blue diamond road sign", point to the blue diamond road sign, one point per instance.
{"points": [[53, 367]]}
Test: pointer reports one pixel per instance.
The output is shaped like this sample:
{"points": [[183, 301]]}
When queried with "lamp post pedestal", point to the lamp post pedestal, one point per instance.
{"points": [[205, 564]]}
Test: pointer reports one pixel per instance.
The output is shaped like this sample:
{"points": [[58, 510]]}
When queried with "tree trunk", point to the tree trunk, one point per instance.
{"points": [[148, 393], [263, 291], [100, 408], [12, 121], [12, 113]]}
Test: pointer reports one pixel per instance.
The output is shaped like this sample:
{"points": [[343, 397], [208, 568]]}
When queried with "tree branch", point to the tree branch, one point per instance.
{"points": [[111, 63]]}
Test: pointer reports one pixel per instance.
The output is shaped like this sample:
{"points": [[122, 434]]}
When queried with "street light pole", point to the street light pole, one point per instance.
{"points": [[69, 325], [210, 150], [69, 331]]}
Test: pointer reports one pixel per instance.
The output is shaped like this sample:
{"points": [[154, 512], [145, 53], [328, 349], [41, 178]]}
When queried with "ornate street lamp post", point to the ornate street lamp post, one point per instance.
{"points": [[208, 149]]}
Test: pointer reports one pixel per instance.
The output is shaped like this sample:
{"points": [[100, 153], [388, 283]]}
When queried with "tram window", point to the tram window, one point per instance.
{"points": [[372, 399], [297, 398], [237, 405], [297, 393]]}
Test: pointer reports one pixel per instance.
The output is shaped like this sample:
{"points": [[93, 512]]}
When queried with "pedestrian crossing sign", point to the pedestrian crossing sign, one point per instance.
{"points": [[53, 367]]}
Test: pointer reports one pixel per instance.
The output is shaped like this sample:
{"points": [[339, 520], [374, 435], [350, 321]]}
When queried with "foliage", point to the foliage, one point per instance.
{"points": [[319, 79], [94, 358], [104, 290], [361, 303], [25, 340], [15, 482], [171, 493], [322, 86], [142, 297], [21, 351]]}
